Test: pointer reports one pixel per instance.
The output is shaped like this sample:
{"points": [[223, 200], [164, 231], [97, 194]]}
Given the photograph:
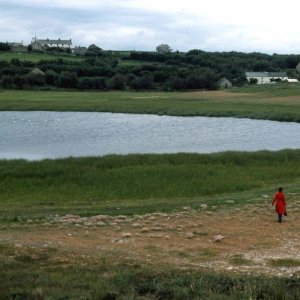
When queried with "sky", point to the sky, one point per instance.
{"points": [[141, 25]]}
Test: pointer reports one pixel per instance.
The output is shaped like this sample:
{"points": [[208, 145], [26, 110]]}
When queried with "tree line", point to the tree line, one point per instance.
{"points": [[108, 70]]}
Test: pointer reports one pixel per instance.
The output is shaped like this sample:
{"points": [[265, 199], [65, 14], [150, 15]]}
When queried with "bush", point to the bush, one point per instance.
{"points": [[99, 83], [51, 77], [85, 83], [68, 80], [118, 82], [5, 47], [175, 83], [7, 81]]}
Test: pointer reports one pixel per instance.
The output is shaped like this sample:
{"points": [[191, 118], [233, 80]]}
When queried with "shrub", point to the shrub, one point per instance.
{"points": [[118, 82], [68, 80]]}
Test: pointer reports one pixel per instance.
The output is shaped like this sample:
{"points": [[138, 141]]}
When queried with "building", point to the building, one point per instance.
{"points": [[292, 80], [224, 83], [43, 44], [265, 77], [78, 50], [18, 47]]}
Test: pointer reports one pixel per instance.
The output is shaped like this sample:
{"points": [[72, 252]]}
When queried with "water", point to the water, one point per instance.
{"points": [[39, 135]]}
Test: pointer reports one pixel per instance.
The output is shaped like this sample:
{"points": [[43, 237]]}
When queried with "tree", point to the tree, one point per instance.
{"points": [[68, 80], [51, 77], [175, 83], [163, 48], [4, 47], [118, 82], [85, 83], [7, 81], [94, 50]]}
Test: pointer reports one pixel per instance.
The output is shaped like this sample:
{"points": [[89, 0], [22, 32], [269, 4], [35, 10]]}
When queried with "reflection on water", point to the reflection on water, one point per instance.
{"points": [[38, 135]]}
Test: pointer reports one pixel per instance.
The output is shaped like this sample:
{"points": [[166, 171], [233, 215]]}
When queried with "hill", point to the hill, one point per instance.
{"points": [[123, 70]]}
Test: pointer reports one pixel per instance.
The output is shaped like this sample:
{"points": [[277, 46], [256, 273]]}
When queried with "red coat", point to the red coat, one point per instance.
{"points": [[279, 200]]}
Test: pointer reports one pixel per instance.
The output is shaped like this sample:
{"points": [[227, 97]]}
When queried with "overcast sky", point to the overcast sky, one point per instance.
{"points": [[210, 25]]}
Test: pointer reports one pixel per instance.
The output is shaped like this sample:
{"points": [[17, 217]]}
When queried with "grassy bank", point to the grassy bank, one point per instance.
{"points": [[25, 279], [140, 183], [280, 102]]}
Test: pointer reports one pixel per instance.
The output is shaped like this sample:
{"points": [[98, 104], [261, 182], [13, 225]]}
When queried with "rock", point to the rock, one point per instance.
{"points": [[158, 228], [203, 206], [218, 238], [145, 229], [100, 223], [126, 235], [189, 236], [125, 238], [187, 208], [229, 201]]}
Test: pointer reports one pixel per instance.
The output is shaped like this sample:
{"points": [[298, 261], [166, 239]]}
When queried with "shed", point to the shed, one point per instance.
{"points": [[36, 71], [224, 83]]}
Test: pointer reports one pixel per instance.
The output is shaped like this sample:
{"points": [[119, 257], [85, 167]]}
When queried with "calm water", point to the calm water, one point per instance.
{"points": [[38, 135]]}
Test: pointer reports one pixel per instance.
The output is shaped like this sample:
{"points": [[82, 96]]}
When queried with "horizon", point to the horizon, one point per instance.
{"points": [[132, 25]]}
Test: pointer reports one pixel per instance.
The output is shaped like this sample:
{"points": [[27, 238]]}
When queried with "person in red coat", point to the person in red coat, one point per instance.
{"points": [[280, 204]]}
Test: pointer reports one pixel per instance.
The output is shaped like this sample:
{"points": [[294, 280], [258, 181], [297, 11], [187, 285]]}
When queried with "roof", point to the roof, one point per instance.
{"points": [[265, 74], [223, 80], [48, 41], [36, 71], [256, 74], [59, 41], [277, 74]]}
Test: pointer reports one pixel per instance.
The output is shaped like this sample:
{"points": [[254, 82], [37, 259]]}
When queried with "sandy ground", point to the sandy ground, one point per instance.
{"points": [[243, 240]]}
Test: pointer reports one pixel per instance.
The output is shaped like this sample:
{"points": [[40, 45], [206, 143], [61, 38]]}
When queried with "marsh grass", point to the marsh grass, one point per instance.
{"points": [[140, 183], [20, 280]]}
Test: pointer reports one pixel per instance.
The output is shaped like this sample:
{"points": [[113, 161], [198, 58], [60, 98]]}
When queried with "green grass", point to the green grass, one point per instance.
{"points": [[141, 183], [36, 56], [280, 103], [33, 279]]}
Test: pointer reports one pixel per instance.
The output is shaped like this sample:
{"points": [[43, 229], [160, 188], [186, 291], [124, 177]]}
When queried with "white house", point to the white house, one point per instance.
{"points": [[41, 44], [224, 83], [266, 77]]}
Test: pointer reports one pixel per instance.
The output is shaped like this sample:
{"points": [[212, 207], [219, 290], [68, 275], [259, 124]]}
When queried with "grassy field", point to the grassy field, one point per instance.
{"points": [[280, 102], [35, 57]]}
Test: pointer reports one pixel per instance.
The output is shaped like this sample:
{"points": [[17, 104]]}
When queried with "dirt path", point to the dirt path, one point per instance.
{"points": [[246, 240]]}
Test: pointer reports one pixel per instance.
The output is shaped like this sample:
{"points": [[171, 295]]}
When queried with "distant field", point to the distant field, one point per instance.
{"points": [[280, 102], [35, 57]]}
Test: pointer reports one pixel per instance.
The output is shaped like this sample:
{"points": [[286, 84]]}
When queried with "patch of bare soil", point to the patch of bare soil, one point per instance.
{"points": [[219, 95], [243, 240]]}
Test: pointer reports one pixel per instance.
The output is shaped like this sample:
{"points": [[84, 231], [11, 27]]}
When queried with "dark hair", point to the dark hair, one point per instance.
{"points": [[280, 189]]}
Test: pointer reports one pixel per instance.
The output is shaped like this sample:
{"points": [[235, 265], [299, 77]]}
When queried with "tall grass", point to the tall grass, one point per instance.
{"points": [[139, 183], [27, 280]]}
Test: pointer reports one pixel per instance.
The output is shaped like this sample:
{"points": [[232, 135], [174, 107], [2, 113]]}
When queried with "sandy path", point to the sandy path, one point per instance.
{"points": [[250, 239]]}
